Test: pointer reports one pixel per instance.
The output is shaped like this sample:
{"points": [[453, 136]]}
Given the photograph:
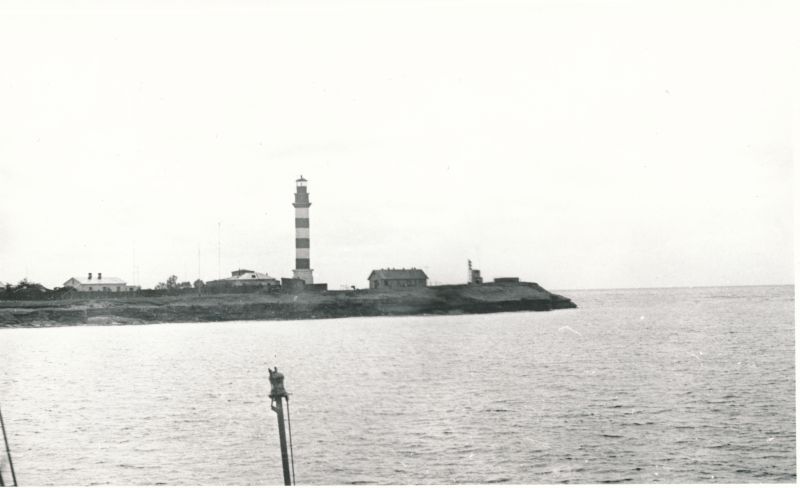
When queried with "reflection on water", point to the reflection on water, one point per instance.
{"points": [[672, 385]]}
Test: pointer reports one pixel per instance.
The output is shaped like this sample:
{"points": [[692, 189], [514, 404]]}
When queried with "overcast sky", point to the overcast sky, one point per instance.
{"points": [[577, 144]]}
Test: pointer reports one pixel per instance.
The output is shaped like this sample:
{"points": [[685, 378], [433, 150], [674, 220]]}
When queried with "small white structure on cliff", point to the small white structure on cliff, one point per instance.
{"points": [[99, 284]]}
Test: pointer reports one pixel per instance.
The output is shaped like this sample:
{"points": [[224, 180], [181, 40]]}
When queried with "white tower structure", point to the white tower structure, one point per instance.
{"points": [[302, 240]]}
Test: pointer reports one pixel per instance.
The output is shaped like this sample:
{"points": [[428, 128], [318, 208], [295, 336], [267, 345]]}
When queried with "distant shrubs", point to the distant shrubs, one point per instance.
{"points": [[172, 284], [25, 289]]}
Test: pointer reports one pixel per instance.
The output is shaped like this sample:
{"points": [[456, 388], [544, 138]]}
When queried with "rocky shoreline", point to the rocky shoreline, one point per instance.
{"points": [[435, 300]]}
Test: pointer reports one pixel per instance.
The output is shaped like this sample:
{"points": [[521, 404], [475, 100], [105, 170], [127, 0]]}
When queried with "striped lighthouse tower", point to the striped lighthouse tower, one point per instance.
{"points": [[302, 240]]}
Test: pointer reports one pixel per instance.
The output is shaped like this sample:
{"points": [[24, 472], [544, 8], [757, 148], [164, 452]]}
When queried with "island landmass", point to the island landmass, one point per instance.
{"points": [[203, 307]]}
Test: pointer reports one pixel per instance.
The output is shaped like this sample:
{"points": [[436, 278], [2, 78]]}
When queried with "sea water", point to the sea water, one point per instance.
{"points": [[655, 385]]}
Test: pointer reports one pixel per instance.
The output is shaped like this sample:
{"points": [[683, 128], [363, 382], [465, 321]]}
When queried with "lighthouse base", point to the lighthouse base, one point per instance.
{"points": [[304, 274]]}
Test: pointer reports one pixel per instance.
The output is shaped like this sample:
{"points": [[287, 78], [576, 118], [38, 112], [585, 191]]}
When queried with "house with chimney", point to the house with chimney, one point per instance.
{"points": [[99, 283]]}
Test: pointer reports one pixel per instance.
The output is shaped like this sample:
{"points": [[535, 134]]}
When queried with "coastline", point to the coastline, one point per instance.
{"points": [[434, 300]]}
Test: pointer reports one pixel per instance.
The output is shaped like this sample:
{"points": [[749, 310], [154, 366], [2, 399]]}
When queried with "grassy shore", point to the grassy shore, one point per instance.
{"points": [[435, 300]]}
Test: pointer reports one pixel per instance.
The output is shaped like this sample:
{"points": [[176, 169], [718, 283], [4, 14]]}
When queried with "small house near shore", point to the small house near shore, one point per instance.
{"points": [[99, 283], [245, 278], [397, 278], [510, 279]]}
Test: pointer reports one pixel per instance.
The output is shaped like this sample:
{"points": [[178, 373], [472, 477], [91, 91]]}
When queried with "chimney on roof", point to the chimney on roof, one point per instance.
{"points": [[99, 276], [90, 276]]}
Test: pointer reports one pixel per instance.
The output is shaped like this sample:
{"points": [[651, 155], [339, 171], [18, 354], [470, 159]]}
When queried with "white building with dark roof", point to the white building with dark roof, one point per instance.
{"points": [[99, 283], [397, 278], [245, 277]]}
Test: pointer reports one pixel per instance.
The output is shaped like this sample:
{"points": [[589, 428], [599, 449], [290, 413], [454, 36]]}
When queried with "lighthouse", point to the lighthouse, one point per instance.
{"points": [[302, 240]]}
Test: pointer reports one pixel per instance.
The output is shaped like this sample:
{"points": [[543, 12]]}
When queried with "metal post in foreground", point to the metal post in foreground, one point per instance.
{"points": [[277, 395], [8, 454]]}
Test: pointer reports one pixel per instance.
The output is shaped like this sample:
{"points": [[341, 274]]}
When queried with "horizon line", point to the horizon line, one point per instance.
{"points": [[670, 287]]}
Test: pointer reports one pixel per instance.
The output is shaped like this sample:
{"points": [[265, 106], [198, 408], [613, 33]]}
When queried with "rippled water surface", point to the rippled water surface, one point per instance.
{"points": [[667, 385]]}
